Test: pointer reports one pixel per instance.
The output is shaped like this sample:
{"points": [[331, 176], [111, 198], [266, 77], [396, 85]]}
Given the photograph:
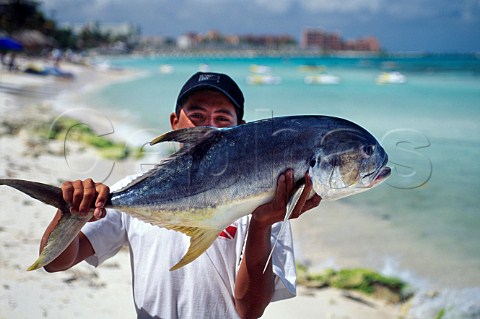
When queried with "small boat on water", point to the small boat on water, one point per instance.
{"points": [[312, 68], [166, 69], [261, 74], [322, 79], [258, 79], [391, 78], [204, 67], [260, 69]]}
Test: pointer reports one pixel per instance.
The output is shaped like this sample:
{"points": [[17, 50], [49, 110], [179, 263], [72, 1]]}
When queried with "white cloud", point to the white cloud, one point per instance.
{"points": [[470, 11], [408, 10], [344, 6], [174, 17], [274, 6]]}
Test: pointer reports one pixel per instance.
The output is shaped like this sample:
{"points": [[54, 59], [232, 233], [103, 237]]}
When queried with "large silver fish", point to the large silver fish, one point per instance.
{"points": [[220, 175]]}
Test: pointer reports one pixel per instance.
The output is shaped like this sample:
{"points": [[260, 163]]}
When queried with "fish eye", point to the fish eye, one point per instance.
{"points": [[368, 150], [313, 162]]}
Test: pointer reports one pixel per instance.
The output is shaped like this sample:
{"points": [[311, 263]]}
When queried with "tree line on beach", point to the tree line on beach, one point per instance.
{"points": [[24, 21]]}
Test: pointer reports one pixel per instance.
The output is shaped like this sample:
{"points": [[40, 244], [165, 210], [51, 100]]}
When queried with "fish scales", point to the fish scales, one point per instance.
{"points": [[218, 169]]}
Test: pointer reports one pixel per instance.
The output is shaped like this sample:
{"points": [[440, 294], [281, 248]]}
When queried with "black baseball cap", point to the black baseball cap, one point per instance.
{"points": [[216, 81]]}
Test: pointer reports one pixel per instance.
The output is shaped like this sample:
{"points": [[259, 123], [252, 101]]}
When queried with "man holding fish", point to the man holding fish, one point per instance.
{"points": [[229, 280]]}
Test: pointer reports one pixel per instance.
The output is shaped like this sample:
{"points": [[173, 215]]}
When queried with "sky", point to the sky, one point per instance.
{"points": [[436, 26]]}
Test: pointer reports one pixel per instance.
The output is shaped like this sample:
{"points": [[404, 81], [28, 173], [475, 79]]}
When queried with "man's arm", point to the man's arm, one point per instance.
{"points": [[80, 195], [254, 288]]}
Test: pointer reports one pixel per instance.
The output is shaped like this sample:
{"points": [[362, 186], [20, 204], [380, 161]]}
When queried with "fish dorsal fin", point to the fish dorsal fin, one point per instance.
{"points": [[190, 136], [290, 207], [200, 240]]}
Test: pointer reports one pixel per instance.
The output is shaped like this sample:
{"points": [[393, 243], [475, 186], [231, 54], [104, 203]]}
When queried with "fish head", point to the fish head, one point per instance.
{"points": [[347, 161]]}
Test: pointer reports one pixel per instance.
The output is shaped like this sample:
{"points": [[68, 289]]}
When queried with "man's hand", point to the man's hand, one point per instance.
{"points": [[273, 212], [255, 284], [82, 194]]}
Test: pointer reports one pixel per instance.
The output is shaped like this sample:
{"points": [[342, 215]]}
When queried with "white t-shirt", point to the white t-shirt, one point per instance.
{"points": [[202, 289]]}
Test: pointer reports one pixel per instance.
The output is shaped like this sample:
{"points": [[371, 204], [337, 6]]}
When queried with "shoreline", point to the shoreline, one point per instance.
{"points": [[331, 245], [115, 274], [289, 52]]}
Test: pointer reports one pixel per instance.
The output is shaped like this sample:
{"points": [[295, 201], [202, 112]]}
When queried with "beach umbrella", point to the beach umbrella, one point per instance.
{"points": [[33, 39], [9, 44]]}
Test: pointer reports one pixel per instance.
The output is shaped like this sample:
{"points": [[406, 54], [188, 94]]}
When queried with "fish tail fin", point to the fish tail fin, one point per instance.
{"points": [[200, 240], [67, 227], [47, 194]]}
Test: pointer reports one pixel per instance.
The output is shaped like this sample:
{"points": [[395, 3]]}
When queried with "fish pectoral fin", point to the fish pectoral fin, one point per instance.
{"points": [[290, 207], [200, 240]]}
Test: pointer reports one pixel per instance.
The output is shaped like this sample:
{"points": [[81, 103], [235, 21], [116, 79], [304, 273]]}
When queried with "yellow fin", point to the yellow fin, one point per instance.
{"points": [[36, 265], [200, 240]]}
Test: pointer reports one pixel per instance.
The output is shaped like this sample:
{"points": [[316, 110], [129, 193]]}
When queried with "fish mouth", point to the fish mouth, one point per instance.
{"points": [[379, 175], [382, 175]]}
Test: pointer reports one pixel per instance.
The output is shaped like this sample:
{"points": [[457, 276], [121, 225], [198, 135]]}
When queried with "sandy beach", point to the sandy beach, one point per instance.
{"points": [[86, 292]]}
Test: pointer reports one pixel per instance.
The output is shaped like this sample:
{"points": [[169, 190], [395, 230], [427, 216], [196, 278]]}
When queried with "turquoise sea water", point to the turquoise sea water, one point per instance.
{"points": [[430, 126]]}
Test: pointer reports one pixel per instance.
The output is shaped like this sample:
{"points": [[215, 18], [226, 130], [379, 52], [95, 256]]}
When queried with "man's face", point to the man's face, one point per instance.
{"points": [[205, 108]]}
